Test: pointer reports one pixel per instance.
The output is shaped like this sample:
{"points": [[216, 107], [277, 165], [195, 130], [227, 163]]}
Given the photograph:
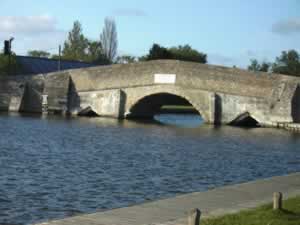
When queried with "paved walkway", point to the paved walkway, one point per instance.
{"points": [[214, 202]]}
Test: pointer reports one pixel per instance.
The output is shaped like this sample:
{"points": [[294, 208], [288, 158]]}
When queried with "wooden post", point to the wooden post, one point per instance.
{"points": [[277, 200], [45, 104], [194, 217]]}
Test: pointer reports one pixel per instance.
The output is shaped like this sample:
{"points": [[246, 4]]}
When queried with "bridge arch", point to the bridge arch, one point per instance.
{"points": [[148, 103], [296, 105], [245, 119]]}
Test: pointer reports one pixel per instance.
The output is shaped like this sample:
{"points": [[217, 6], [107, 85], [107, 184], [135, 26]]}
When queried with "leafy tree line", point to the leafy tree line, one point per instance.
{"points": [[185, 53], [76, 47], [80, 48], [39, 53], [104, 50], [287, 63]]}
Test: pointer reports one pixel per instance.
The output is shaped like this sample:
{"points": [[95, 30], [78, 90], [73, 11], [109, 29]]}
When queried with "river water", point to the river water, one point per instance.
{"points": [[56, 167]]}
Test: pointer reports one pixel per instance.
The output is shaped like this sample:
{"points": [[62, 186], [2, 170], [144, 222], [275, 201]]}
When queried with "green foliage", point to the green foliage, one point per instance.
{"points": [[95, 53], [143, 58], [5, 68], [263, 215], [257, 67], [78, 47], [287, 63], [37, 53], [159, 52], [124, 59], [54, 56], [265, 67], [94, 50], [184, 53], [76, 44]]}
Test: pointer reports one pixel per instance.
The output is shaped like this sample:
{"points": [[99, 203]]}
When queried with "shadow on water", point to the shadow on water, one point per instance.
{"points": [[180, 120], [175, 120]]}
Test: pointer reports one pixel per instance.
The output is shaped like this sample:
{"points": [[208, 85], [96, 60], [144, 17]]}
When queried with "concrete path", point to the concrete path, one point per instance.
{"points": [[214, 202]]}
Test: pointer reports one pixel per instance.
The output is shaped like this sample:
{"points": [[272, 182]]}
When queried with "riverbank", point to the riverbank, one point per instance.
{"points": [[289, 215], [216, 202], [178, 109]]}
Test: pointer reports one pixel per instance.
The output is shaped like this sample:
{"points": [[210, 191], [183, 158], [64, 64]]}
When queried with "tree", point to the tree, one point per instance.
{"points": [[37, 53], [95, 53], [265, 67], [124, 59], [287, 63], [184, 53], [257, 67], [158, 52], [94, 50], [109, 39], [76, 45], [254, 66], [7, 68]]}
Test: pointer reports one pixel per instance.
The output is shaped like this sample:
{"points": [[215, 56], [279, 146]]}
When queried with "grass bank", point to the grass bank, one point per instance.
{"points": [[178, 109], [264, 215]]}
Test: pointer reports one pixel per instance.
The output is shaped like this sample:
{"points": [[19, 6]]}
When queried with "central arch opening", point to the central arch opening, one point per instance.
{"points": [[166, 108], [296, 105]]}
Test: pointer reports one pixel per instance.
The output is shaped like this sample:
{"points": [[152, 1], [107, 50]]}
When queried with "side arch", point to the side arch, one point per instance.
{"points": [[146, 102], [245, 119]]}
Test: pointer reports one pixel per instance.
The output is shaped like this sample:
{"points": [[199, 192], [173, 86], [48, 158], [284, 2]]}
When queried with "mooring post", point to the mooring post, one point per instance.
{"points": [[194, 217], [44, 104], [277, 200]]}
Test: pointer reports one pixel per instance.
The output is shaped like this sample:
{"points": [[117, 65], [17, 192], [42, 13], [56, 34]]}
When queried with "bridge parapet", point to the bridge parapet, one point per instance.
{"points": [[190, 75]]}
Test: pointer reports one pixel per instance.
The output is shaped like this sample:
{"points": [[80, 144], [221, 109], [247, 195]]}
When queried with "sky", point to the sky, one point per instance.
{"points": [[230, 32]]}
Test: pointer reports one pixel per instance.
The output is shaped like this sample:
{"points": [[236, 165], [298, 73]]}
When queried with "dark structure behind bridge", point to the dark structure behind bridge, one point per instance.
{"points": [[36, 65]]}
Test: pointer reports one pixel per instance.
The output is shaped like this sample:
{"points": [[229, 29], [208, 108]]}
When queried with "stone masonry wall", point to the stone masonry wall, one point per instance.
{"points": [[218, 93], [189, 75], [20, 93], [57, 89], [103, 103]]}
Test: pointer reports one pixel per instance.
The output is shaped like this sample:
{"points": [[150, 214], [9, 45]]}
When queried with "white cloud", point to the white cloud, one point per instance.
{"points": [[129, 12], [286, 27], [44, 42], [31, 32], [27, 24]]}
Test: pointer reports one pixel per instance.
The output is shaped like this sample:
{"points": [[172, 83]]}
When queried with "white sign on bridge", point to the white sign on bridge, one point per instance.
{"points": [[164, 78]]}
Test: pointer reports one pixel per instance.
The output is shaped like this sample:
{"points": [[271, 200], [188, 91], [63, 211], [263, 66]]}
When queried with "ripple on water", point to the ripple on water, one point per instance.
{"points": [[52, 168]]}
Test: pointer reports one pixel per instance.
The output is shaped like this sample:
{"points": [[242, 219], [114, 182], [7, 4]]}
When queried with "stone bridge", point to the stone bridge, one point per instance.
{"points": [[220, 94]]}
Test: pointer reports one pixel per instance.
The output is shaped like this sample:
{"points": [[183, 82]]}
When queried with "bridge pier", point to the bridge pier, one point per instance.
{"points": [[106, 103]]}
